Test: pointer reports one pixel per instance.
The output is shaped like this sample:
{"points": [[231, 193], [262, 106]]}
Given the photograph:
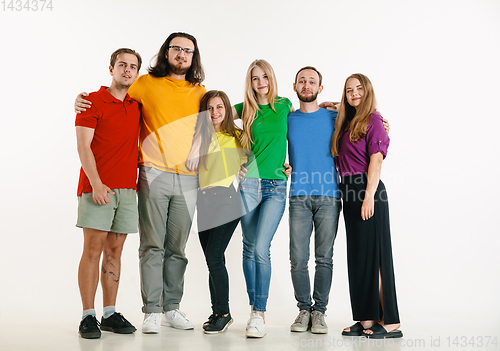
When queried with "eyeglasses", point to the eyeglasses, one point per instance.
{"points": [[178, 49]]}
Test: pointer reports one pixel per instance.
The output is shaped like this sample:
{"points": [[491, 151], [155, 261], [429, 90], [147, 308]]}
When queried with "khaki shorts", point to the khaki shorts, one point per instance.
{"points": [[119, 216]]}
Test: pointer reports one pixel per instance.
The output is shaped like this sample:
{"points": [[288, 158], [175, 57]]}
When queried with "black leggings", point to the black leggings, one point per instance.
{"points": [[219, 212]]}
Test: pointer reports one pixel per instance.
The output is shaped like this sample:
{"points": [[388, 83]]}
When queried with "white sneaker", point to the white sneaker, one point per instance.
{"points": [[176, 319], [256, 327], [151, 324]]}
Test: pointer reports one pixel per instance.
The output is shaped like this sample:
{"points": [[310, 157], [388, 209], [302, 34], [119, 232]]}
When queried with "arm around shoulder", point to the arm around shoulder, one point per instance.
{"points": [[81, 104], [235, 113]]}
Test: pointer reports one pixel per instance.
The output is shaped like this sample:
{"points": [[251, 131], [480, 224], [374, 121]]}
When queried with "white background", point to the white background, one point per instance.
{"points": [[435, 69]]}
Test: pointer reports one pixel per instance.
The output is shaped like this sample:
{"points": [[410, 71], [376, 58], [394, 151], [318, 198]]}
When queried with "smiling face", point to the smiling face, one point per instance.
{"points": [[180, 62], [125, 70], [354, 92], [216, 111], [260, 81], [307, 85]]}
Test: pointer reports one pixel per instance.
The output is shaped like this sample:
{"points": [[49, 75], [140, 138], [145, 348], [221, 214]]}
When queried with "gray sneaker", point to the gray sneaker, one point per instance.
{"points": [[302, 322], [318, 323]]}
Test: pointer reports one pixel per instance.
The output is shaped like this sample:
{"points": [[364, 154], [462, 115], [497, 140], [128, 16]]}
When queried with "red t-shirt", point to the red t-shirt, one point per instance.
{"points": [[115, 143]]}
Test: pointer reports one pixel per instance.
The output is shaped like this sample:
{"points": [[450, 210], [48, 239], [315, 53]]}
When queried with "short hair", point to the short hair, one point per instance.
{"points": [[311, 68], [161, 68], [115, 54]]}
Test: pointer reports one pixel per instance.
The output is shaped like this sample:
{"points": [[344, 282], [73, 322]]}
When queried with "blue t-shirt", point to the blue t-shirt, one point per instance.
{"points": [[309, 139]]}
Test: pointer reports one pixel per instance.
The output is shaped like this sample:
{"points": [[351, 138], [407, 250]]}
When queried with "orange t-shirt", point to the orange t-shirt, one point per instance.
{"points": [[169, 112], [116, 129]]}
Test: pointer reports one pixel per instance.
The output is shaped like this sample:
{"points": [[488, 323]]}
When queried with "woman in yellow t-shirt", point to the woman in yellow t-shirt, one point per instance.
{"points": [[217, 142]]}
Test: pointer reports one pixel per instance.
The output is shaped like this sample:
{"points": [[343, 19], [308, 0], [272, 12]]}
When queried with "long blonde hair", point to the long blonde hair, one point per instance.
{"points": [[351, 118], [250, 105]]}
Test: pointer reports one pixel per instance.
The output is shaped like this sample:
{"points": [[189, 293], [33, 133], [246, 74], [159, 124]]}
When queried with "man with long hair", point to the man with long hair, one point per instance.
{"points": [[170, 95], [167, 190]]}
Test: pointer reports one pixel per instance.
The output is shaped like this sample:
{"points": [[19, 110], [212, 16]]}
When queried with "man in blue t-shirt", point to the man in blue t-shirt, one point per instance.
{"points": [[314, 200]]}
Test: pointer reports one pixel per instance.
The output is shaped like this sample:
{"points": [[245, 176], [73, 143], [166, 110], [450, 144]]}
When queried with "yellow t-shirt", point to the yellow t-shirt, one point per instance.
{"points": [[223, 162], [169, 112]]}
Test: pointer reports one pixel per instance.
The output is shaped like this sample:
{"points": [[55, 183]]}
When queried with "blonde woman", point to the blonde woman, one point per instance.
{"points": [[263, 188], [360, 144]]}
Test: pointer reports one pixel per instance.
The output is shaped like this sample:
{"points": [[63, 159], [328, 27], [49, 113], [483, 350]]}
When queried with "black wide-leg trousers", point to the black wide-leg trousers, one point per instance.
{"points": [[368, 250]]}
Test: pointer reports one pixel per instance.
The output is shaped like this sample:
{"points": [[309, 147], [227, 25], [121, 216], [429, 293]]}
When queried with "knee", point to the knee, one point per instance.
{"points": [[214, 258], [324, 255], [175, 250], [214, 261], [298, 263], [248, 255], [151, 253], [149, 240], [248, 249], [114, 253], [113, 246], [262, 255], [93, 251], [324, 261], [299, 257]]}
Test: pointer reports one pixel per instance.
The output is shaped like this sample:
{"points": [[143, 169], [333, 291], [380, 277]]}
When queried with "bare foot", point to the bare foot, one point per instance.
{"points": [[365, 324], [388, 327]]}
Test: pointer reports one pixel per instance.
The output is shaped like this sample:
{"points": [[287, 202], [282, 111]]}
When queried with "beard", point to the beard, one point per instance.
{"points": [[307, 98], [179, 70]]}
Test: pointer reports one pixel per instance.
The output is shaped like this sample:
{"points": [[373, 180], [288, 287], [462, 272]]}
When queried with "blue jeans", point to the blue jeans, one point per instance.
{"points": [[322, 212], [264, 203]]}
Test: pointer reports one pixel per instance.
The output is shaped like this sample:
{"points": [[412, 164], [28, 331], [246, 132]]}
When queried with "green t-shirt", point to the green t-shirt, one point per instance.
{"points": [[269, 136]]}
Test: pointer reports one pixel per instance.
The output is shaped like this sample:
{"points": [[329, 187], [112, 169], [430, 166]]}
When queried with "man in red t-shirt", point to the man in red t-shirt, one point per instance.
{"points": [[107, 138]]}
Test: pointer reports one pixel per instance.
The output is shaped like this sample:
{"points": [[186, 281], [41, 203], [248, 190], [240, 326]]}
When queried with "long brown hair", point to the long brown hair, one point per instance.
{"points": [[355, 119], [250, 105], [204, 127], [161, 68]]}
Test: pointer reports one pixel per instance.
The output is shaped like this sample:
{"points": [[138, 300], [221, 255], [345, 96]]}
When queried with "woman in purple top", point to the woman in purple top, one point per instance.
{"points": [[359, 145]]}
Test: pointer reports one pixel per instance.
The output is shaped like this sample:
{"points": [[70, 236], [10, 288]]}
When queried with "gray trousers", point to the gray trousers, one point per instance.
{"points": [[166, 208]]}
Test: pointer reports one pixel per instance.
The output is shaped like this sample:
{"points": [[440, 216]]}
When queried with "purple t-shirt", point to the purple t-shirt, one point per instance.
{"points": [[354, 158]]}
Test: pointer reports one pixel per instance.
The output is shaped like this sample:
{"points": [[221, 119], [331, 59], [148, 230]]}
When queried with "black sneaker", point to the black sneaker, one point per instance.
{"points": [[116, 323], [89, 328], [210, 319], [219, 324]]}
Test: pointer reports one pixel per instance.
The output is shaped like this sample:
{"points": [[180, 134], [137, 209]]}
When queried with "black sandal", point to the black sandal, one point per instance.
{"points": [[356, 330], [379, 332]]}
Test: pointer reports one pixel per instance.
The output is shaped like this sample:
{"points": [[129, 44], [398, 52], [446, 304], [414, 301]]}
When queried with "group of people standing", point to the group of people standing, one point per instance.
{"points": [[191, 154]]}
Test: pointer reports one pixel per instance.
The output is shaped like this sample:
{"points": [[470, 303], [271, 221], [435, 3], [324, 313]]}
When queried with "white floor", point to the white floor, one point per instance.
{"points": [[62, 335], [42, 313]]}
